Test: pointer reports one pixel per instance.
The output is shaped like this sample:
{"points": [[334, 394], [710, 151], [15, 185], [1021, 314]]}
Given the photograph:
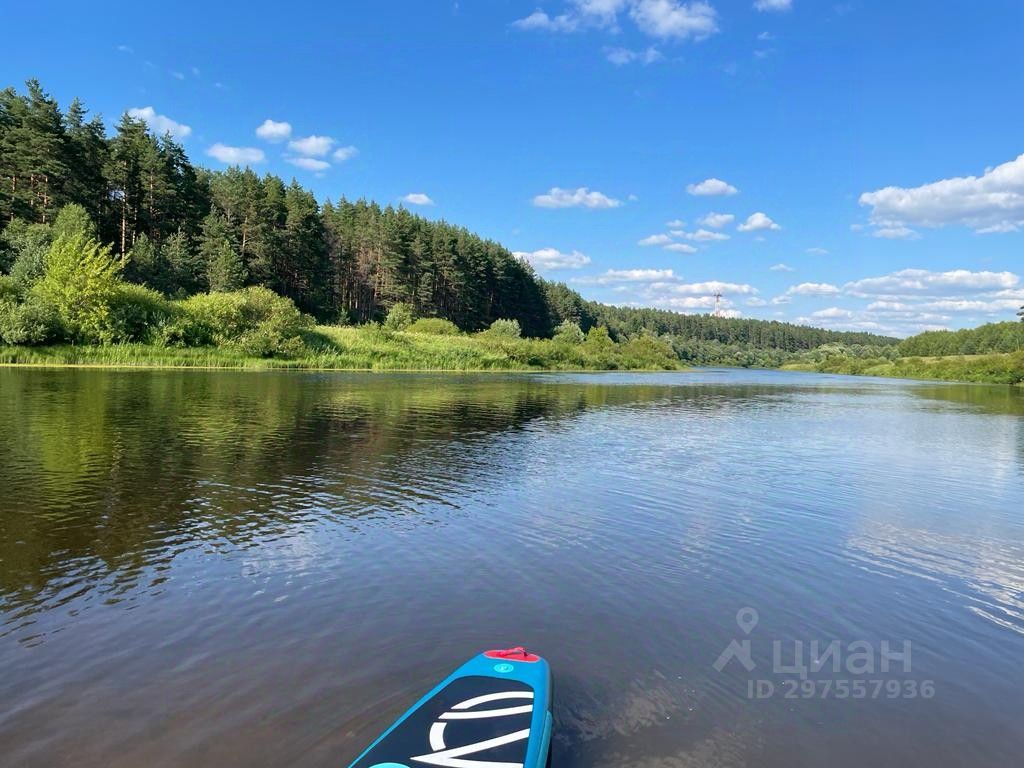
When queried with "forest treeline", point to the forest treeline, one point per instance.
{"points": [[183, 230]]}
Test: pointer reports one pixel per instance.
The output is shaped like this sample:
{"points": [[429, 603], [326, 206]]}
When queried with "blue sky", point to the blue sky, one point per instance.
{"points": [[865, 150]]}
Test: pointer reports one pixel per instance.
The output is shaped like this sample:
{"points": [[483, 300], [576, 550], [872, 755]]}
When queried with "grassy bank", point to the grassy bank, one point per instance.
{"points": [[990, 369], [371, 348]]}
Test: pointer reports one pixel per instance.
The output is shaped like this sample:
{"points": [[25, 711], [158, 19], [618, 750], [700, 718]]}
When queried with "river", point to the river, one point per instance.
{"points": [[264, 569]]}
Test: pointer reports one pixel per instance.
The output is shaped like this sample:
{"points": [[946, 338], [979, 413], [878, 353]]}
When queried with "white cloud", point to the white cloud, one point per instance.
{"points": [[552, 258], [160, 124], [712, 287], [992, 202], [766, 36], [924, 282], [757, 222], [675, 224], [312, 146], [673, 19], [236, 155], [717, 220], [309, 163], [834, 313], [812, 289], [680, 248], [705, 236], [783, 299], [125, 49], [711, 187], [754, 301], [581, 197], [895, 233], [417, 198], [178, 75], [781, 268], [271, 130], [817, 251], [632, 276], [986, 306], [622, 56], [603, 13], [773, 5], [341, 154], [539, 20], [655, 240]]}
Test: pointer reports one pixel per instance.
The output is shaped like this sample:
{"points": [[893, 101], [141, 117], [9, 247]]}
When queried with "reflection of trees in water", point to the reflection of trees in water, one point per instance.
{"points": [[111, 473]]}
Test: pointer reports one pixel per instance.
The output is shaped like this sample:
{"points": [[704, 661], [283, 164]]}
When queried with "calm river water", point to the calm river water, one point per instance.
{"points": [[219, 569]]}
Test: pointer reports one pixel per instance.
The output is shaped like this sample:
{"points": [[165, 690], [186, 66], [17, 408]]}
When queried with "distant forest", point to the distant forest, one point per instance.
{"points": [[182, 230]]}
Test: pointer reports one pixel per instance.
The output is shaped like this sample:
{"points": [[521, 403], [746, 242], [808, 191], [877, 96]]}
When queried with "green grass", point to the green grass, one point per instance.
{"points": [[990, 369], [369, 348]]}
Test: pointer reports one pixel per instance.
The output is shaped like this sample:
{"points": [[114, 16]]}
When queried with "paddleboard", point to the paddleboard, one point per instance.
{"points": [[492, 712]]}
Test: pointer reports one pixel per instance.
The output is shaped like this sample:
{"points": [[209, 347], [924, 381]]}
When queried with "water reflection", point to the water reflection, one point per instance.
{"points": [[250, 569]]}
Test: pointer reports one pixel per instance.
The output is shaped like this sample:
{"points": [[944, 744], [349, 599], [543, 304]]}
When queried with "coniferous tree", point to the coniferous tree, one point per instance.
{"points": [[225, 270]]}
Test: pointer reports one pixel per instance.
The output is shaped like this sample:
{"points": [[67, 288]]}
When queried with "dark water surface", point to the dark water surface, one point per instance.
{"points": [[219, 569]]}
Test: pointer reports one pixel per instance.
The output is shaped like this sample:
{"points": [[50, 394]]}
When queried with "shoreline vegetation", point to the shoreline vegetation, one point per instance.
{"points": [[118, 251], [375, 348], [1001, 368]]}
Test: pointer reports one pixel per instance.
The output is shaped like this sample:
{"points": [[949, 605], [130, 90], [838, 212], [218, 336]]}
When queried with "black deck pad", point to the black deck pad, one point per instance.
{"points": [[456, 728]]}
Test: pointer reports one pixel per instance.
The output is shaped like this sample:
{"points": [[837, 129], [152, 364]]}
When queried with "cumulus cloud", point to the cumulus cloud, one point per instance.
{"points": [[675, 224], [581, 197], [925, 282], [417, 198], [704, 236], [630, 276], [717, 220], [622, 56], [312, 146], [539, 20], [711, 187], [664, 19], [781, 268], [812, 289], [673, 19], [236, 155], [991, 202], [160, 124], [547, 259], [680, 248], [895, 233], [341, 154], [817, 251], [271, 130], [833, 313], [757, 222], [711, 287], [309, 163], [655, 240], [773, 5]]}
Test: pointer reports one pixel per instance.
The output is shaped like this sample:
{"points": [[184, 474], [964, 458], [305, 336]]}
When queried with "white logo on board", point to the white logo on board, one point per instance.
{"points": [[444, 756]]}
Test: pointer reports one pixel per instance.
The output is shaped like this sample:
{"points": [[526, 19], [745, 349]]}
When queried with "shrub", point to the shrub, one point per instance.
{"points": [[435, 326], [10, 291], [506, 329], [400, 317], [26, 246], [138, 313], [254, 320], [80, 281], [569, 332], [29, 323]]}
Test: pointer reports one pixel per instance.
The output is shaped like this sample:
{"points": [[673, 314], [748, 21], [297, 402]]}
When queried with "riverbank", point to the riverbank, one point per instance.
{"points": [[370, 348], [982, 369]]}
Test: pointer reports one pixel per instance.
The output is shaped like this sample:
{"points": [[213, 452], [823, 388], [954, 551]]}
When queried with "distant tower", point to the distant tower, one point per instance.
{"points": [[718, 305]]}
